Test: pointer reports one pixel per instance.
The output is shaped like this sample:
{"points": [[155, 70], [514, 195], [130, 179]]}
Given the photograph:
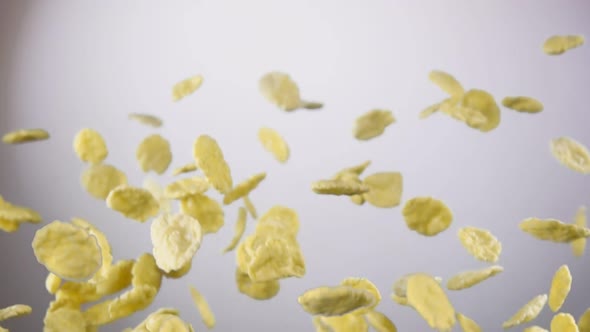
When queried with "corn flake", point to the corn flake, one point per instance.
{"points": [[480, 243], [279, 89], [64, 319], [584, 321], [534, 328], [553, 230], [240, 228], [528, 312], [176, 238], [157, 191], [523, 104], [469, 279], [244, 188], [427, 297], [11, 216], [261, 290], [274, 143], [556, 45], [372, 124], [339, 187], [90, 147], [279, 220], [346, 323], [579, 245], [477, 108], [186, 87], [563, 323], [186, 187], [561, 285], [52, 283], [205, 210], [153, 154], [336, 301], [250, 207], [25, 136], [446, 82], [210, 160], [379, 322], [203, 307], [571, 154], [364, 284], [186, 168], [385, 189], [467, 324], [98, 180], [146, 119], [427, 216], [16, 310], [134, 203]]}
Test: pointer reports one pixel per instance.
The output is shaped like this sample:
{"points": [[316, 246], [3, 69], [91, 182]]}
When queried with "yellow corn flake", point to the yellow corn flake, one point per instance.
{"points": [[13, 311], [116, 278], [153, 154], [90, 147], [400, 285], [279, 89], [134, 203], [186, 187], [210, 160], [467, 324], [534, 328], [157, 191], [401, 300], [262, 290], [579, 245], [553, 230], [480, 243], [427, 297], [279, 220], [98, 180], [380, 322], [186, 168], [240, 228], [176, 238], [186, 87], [146, 119], [430, 110], [427, 216], [11, 216], [584, 321], [64, 319], [469, 279], [244, 188], [9, 226], [559, 44], [274, 143], [318, 323], [355, 170], [528, 312], [101, 239], [25, 136], [145, 272], [346, 323], [560, 288], [130, 302], [52, 283], [523, 104], [203, 307], [385, 189], [338, 187], [446, 82], [571, 153], [364, 284], [357, 199], [476, 108], [206, 210], [250, 207], [372, 124], [164, 320], [336, 301], [177, 274], [563, 323], [67, 251]]}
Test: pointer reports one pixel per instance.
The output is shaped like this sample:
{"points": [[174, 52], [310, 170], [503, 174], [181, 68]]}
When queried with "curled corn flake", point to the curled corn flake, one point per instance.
{"points": [[563, 322], [116, 278], [176, 238], [319, 325], [187, 168], [244, 188], [427, 216], [130, 302], [335, 301], [477, 108], [177, 274], [16, 310], [528, 312], [274, 143], [356, 170], [339, 187], [401, 300], [134, 203], [346, 323], [145, 272], [357, 199], [279, 220], [480, 243], [153, 154], [67, 251], [186, 87], [210, 160], [164, 320], [556, 45], [146, 119], [427, 297], [534, 328], [553, 230], [561, 284], [101, 239], [186, 187], [523, 104], [157, 191], [372, 124], [52, 283], [400, 285], [205, 210], [467, 324], [579, 245], [584, 321], [446, 82], [25, 136], [64, 319], [279, 89], [364, 284], [204, 310], [11, 216], [469, 279], [571, 153], [430, 110], [98, 180], [261, 290], [380, 322], [250, 207], [240, 228], [90, 147], [385, 189]]}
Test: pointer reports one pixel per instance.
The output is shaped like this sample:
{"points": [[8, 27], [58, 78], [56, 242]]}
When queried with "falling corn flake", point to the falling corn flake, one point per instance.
{"points": [[559, 44], [67, 251], [372, 124], [380, 322], [528, 312], [204, 310], [446, 82], [523, 104], [244, 188], [175, 239], [64, 319], [134, 203], [177, 274], [262, 290], [186, 187], [335, 301], [364, 284], [534, 328], [206, 210], [52, 283], [165, 320], [250, 207], [469, 279], [210, 160], [579, 245], [476, 108], [356, 170], [427, 216], [90, 147], [480, 243], [584, 321], [279, 220], [240, 228], [430, 110], [100, 179], [101, 239], [186, 87], [571, 154], [467, 324], [25, 136], [157, 191], [187, 168], [280, 89], [146, 119], [385, 189], [12, 216], [346, 323], [338, 187], [553, 230], [153, 154], [274, 143], [563, 322], [13, 311], [427, 297], [561, 284], [319, 324]]}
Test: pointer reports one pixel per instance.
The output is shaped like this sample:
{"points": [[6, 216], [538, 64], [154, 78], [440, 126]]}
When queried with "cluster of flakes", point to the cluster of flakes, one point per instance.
{"points": [[82, 270]]}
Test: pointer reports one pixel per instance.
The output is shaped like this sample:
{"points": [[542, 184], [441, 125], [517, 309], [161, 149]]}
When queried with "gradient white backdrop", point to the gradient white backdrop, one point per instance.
{"points": [[67, 65]]}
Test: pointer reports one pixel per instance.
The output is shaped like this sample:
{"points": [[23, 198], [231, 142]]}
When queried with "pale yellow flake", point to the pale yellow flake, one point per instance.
{"points": [[336, 301], [339, 187], [385, 189], [561, 284], [279, 89], [446, 82], [372, 124], [563, 322], [205, 210], [175, 239], [279, 220], [584, 321], [186, 87], [380, 322], [553, 230], [240, 228], [64, 319], [186, 168], [274, 143], [184, 188], [134, 203], [427, 297], [571, 153], [154, 154], [346, 323], [210, 160], [157, 191], [52, 283], [476, 108], [90, 147], [11, 216], [467, 324], [204, 310], [579, 245], [146, 119], [471, 278], [528, 312], [523, 104], [427, 216], [480, 243], [98, 180], [13, 311], [244, 188], [559, 44], [250, 207], [262, 290], [25, 136]]}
